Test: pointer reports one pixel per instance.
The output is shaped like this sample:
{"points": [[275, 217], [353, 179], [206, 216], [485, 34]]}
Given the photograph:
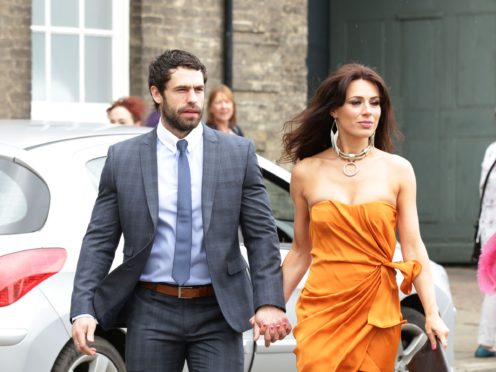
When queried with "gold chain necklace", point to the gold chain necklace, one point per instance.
{"points": [[350, 169]]}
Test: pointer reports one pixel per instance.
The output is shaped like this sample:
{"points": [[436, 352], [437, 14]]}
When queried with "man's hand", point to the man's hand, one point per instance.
{"points": [[83, 333], [271, 322]]}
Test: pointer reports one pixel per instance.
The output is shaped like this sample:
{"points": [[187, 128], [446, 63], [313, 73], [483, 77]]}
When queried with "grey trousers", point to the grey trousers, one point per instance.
{"points": [[163, 332]]}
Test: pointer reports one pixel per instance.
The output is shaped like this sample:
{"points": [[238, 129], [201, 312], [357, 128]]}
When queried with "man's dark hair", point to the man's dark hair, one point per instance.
{"points": [[160, 70]]}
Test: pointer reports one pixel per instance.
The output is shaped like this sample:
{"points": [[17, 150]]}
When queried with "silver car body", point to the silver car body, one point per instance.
{"points": [[68, 157]]}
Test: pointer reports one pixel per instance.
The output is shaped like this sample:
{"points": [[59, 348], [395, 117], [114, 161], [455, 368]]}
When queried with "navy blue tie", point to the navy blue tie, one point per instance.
{"points": [[184, 231]]}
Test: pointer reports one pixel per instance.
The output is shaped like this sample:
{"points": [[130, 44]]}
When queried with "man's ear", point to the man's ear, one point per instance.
{"points": [[156, 95]]}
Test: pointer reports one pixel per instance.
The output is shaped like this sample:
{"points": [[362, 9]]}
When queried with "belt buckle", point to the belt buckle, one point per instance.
{"points": [[180, 294]]}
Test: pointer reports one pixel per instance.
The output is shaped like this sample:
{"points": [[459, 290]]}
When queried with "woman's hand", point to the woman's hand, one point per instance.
{"points": [[435, 328]]}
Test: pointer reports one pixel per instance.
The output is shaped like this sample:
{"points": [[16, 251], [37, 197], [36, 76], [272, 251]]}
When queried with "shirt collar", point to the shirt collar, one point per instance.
{"points": [[169, 140]]}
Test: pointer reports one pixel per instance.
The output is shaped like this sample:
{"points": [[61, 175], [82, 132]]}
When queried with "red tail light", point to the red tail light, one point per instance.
{"points": [[22, 271]]}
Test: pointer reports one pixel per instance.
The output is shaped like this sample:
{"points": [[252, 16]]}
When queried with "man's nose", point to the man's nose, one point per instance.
{"points": [[192, 96]]}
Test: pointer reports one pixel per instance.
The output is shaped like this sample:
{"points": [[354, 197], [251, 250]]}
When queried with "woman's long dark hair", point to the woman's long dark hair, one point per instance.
{"points": [[308, 133]]}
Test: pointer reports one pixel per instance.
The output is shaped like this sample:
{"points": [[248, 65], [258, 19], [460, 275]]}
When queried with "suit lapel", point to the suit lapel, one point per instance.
{"points": [[148, 156], [210, 170]]}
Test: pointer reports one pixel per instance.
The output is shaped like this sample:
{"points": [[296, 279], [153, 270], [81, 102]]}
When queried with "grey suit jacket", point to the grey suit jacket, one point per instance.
{"points": [[233, 194]]}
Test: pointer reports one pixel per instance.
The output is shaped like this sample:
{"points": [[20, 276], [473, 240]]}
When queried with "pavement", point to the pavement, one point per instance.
{"points": [[468, 300]]}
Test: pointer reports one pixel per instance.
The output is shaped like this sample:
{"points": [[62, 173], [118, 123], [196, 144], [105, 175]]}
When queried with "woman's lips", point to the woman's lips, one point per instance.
{"points": [[366, 124]]}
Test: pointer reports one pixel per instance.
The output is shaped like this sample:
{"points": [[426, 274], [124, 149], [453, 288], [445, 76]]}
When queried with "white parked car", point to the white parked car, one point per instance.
{"points": [[49, 175]]}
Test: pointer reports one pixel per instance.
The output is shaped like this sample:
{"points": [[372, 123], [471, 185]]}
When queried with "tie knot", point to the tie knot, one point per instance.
{"points": [[182, 145]]}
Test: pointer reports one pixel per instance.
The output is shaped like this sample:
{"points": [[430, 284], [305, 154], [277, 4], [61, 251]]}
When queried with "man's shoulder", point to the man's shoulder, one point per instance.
{"points": [[136, 141], [227, 138]]}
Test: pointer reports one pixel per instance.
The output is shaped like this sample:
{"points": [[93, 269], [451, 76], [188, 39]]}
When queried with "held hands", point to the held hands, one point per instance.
{"points": [[271, 322], [83, 333], [435, 328]]}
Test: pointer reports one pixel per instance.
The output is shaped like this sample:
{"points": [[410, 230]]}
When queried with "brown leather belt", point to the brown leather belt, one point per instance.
{"points": [[180, 292]]}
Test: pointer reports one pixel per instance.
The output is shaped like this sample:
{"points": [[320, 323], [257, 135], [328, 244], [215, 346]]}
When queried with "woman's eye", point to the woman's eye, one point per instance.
{"points": [[354, 103], [375, 103]]}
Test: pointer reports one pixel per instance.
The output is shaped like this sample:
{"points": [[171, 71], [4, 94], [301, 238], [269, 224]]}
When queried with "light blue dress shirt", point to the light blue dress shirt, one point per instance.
{"points": [[159, 265]]}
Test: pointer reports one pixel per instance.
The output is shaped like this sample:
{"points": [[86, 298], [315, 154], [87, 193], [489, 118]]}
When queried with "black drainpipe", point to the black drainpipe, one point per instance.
{"points": [[228, 42]]}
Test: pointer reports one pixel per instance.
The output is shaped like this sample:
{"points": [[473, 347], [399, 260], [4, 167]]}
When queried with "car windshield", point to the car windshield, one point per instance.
{"points": [[282, 206], [95, 167]]}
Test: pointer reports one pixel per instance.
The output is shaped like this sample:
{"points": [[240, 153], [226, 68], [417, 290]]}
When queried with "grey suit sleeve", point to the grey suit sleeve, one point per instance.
{"points": [[99, 243], [260, 237]]}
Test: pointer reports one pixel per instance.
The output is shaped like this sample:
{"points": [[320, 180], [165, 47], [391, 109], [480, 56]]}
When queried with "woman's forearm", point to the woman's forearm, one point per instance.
{"points": [[294, 268]]}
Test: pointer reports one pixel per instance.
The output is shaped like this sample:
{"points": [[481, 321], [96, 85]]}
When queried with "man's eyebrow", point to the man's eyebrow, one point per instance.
{"points": [[182, 86]]}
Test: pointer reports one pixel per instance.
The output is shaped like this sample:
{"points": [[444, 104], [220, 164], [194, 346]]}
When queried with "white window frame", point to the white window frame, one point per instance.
{"points": [[82, 111]]}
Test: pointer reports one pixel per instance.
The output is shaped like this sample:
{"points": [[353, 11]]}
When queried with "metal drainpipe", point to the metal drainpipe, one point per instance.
{"points": [[228, 42]]}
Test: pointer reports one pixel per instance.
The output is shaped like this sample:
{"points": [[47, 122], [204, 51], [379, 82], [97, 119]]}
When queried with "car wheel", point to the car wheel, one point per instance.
{"points": [[413, 338], [107, 359]]}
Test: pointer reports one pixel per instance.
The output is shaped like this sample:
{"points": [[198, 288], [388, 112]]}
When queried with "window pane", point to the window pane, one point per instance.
{"points": [[98, 69], [38, 12], [24, 199], [65, 13], [38, 66], [98, 14], [65, 68], [13, 201]]}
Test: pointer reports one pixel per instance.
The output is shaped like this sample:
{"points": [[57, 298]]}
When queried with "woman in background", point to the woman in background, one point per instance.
{"points": [[127, 111], [221, 110], [487, 227]]}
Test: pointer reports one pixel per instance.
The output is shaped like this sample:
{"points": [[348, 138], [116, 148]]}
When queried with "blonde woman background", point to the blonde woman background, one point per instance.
{"points": [[221, 109]]}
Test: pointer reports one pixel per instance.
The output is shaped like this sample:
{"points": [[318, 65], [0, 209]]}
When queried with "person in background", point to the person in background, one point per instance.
{"points": [[152, 119], [127, 111], [221, 110], [487, 227], [351, 196]]}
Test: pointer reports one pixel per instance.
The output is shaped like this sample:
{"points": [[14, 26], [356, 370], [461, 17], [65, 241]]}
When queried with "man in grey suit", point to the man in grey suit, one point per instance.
{"points": [[177, 196]]}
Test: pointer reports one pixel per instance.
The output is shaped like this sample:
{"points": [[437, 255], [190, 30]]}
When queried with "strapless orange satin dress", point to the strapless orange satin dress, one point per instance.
{"points": [[348, 313]]}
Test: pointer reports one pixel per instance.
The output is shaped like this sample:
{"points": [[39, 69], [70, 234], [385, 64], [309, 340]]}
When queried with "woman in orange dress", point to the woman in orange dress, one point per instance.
{"points": [[351, 195]]}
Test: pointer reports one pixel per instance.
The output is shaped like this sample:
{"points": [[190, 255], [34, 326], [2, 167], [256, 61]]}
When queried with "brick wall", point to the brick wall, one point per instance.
{"points": [[270, 47], [174, 24], [15, 59]]}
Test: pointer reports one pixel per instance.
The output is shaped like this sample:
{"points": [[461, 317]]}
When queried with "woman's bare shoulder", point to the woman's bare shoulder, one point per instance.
{"points": [[401, 167], [308, 166], [397, 162]]}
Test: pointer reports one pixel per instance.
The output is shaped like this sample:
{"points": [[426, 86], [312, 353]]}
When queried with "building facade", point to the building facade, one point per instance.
{"points": [[268, 64]]}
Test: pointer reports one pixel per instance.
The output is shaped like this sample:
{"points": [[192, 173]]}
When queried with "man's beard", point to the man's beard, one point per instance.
{"points": [[173, 118]]}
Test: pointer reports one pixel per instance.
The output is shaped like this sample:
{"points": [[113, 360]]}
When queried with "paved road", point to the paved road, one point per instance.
{"points": [[468, 299]]}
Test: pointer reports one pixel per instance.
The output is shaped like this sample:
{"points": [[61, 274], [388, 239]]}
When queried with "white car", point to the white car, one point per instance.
{"points": [[49, 174]]}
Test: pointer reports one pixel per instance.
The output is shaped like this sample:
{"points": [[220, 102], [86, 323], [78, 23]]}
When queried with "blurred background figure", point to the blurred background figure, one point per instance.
{"points": [[127, 111], [221, 109], [487, 227], [152, 119]]}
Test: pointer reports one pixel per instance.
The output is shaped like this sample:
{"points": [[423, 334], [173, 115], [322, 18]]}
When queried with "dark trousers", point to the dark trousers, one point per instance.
{"points": [[163, 332]]}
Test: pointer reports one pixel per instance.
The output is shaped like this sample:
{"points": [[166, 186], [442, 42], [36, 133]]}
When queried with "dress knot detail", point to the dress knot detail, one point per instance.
{"points": [[385, 310], [410, 270]]}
